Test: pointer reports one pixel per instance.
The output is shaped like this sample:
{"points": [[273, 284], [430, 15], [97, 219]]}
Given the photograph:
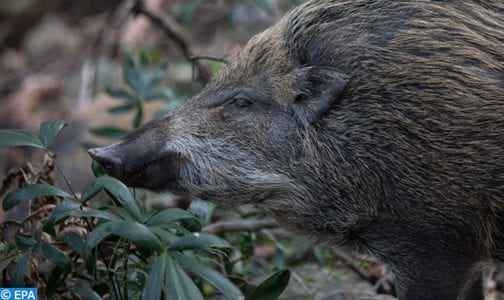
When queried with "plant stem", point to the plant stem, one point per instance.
{"points": [[60, 171], [125, 280]]}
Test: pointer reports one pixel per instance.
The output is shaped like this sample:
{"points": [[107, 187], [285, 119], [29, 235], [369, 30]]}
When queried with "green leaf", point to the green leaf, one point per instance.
{"points": [[99, 233], [108, 131], [228, 289], [272, 287], [165, 93], [198, 240], [55, 280], [121, 213], [120, 93], [155, 278], [121, 109], [117, 190], [94, 213], [20, 271], [138, 233], [49, 130], [131, 74], [178, 285], [164, 235], [60, 212], [54, 255], [191, 225], [24, 241], [168, 216], [137, 121], [18, 137], [97, 169], [156, 78], [29, 192], [79, 244]]}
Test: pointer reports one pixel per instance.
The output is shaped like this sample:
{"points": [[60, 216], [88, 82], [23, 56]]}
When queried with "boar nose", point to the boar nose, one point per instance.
{"points": [[107, 159]]}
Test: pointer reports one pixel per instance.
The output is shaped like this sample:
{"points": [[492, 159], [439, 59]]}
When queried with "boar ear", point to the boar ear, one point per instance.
{"points": [[316, 90]]}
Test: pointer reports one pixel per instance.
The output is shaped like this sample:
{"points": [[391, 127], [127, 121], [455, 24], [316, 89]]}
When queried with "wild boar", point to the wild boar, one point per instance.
{"points": [[372, 124]]}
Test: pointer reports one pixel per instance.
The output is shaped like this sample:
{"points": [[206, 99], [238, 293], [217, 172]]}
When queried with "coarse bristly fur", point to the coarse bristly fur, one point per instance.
{"points": [[373, 124]]}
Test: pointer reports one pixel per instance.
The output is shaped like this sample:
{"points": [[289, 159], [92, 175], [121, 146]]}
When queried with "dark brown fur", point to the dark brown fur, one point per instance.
{"points": [[376, 124]]}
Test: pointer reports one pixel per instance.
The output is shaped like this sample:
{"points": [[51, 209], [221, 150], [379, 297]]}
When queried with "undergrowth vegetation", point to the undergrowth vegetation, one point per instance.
{"points": [[105, 241]]}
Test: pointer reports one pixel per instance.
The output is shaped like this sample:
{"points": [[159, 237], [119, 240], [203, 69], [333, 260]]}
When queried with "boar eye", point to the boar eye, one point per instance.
{"points": [[241, 102]]}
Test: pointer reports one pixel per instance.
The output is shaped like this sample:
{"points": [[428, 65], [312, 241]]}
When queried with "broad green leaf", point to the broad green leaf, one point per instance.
{"points": [[174, 227], [79, 244], [54, 255], [55, 280], [24, 241], [49, 130], [117, 190], [178, 285], [138, 233], [272, 287], [19, 137], [198, 240], [97, 169], [157, 76], [191, 225], [29, 192], [19, 272], [109, 132], [168, 216], [164, 235], [130, 73], [155, 278], [121, 109], [60, 212], [165, 93], [120, 212], [228, 289], [120, 93], [99, 233], [94, 213], [84, 291]]}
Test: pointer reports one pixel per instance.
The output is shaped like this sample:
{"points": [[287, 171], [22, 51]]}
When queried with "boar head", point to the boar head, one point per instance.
{"points": [[243, 139]]}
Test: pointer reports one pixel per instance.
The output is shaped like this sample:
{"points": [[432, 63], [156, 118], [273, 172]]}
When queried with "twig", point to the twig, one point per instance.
{"points": [[176, 33], [203, 57], [88, 73], [302, 283], [241, 225], [353, 265]]}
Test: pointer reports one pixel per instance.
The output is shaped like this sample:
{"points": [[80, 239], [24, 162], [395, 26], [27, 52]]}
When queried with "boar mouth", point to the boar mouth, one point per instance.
{"points": [[159, 174]]}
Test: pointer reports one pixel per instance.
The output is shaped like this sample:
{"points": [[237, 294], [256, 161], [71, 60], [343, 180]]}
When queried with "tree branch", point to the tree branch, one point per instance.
{"points": [[176, 33]]}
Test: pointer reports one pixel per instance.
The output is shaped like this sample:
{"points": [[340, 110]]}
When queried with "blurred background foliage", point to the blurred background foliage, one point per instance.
{"points": [[106, 67]]}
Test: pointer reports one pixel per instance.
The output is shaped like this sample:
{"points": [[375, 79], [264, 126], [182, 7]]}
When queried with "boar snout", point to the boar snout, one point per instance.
{"points": [[108, 160], [139, 166]]}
